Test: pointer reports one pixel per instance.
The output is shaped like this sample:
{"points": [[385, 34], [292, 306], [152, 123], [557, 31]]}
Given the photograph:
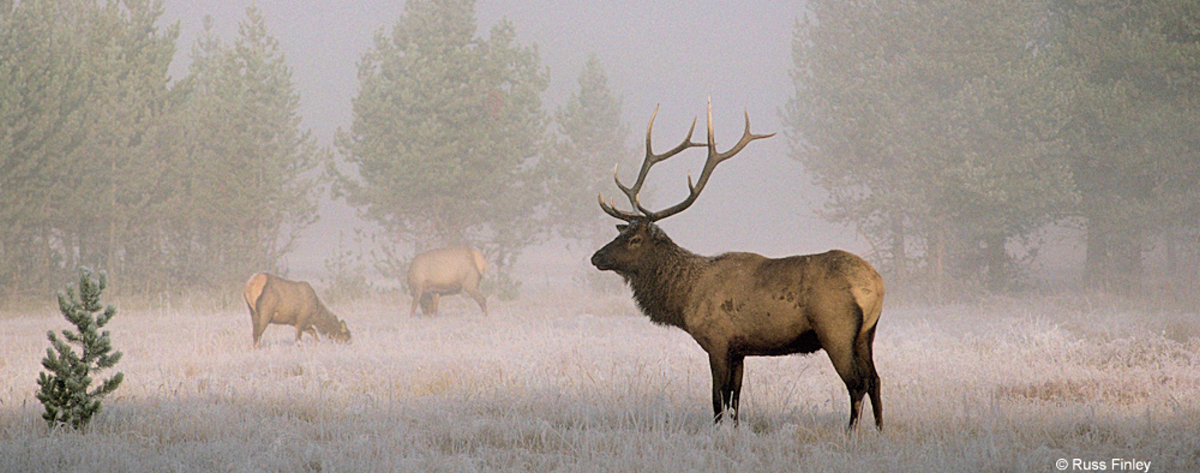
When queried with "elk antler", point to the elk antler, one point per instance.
{"points": [[650, 160], [714, 158]]}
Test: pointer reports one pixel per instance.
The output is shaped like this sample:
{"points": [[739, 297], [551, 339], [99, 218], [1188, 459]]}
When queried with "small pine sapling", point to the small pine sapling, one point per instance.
{"points": [[65, 390]]}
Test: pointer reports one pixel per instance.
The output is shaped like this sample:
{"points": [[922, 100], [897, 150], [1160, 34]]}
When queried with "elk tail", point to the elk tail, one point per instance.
{"points": [[480, 263], [871, 313], [869, 298], [254, 290]]}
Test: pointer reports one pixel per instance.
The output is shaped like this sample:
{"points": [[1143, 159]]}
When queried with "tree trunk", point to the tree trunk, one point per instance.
{"points": [[996, 259], [111, 253], [937, 262], [1113, 260], [1096, 261]]}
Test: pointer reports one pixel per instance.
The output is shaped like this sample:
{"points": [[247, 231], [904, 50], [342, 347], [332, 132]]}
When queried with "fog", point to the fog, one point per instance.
{"points": [[569, 378], [675, 55]]}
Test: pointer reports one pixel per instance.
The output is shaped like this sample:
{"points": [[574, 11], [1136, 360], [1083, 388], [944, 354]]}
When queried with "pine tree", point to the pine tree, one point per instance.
{"points": [[43, 90], [932, 125], [82, 85], [244, 191], [580, 162], [1132, 144], [445, 128], [128, 103], [66, 392]]}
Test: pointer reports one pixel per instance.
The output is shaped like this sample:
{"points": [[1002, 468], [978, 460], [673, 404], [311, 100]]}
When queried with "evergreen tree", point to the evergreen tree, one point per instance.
{"points": [[42, 96], [121, 192], [241, 187], [445, 127], [66, 391], [1132, 144], [592, 139], [933, 126], [82, 84]]}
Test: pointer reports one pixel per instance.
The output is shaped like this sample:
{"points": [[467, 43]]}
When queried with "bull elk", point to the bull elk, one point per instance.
{"points": [[274, 300], [742, 304], [443, 272]]}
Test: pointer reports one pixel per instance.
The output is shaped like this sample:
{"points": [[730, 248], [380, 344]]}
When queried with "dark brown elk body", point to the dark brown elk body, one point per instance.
{"points": [[274, 300], [445, 271], [742, 304]]}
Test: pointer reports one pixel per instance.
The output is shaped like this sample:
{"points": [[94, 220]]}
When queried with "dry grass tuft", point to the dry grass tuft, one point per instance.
{"points": [[1064, 392]]}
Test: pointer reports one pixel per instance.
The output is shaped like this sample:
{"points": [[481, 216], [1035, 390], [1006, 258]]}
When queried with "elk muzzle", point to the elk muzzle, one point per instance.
{"points": [[601, 260]]}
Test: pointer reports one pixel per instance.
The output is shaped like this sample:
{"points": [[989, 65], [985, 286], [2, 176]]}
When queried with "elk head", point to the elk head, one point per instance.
{"points": [[342, 334], [640, 239]]}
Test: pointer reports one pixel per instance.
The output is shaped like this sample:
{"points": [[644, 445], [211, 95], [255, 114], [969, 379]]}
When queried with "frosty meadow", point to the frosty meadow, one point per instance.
{"points": [[582, 382]]}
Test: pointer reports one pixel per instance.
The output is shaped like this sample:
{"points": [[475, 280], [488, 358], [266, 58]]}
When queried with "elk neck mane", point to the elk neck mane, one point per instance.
{"points": [[663, 288], [325, 321]]}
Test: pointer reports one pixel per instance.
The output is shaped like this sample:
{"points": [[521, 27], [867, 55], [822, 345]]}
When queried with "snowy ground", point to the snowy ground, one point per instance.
{"points": [[580, 382]]}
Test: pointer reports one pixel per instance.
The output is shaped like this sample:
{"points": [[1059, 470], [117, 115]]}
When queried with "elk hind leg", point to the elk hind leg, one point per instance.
{"points": [[471, 287], [260, 318], [866, 366], [479, 299], [840, 348], [259, 328], [416, 299]]}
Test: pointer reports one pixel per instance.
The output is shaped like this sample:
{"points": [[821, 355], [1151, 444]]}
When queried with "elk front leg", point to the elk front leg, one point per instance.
{"points": [[727, 383], [735, 385], [430, 302]]}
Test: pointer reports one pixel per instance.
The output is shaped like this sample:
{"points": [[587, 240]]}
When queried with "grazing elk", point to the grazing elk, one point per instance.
{"points": [[742, 304], [445, 271], [274, 300]]}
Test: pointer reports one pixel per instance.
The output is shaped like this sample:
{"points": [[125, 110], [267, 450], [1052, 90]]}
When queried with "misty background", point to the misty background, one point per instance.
{"points": [[674, 55], [957, 147]]}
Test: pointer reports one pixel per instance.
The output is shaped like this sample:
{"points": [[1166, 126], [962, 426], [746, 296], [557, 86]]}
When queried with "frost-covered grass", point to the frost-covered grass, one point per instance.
{"points": [[571, 382]]}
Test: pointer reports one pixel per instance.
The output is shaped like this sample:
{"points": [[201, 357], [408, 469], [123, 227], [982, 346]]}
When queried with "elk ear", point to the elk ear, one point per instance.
{"points": [[621, 227]]}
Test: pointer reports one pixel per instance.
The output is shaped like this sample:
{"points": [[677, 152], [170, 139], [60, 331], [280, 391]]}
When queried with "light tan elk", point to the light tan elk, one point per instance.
{"points": [[445, 271], [742, 304], [274, 300]]}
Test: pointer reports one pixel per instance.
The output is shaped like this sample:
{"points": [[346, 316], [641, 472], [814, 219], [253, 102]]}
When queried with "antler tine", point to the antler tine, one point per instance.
{"points": [[611, 209], [747, 137], [714, 158], [608, 208], [650, 159]]}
